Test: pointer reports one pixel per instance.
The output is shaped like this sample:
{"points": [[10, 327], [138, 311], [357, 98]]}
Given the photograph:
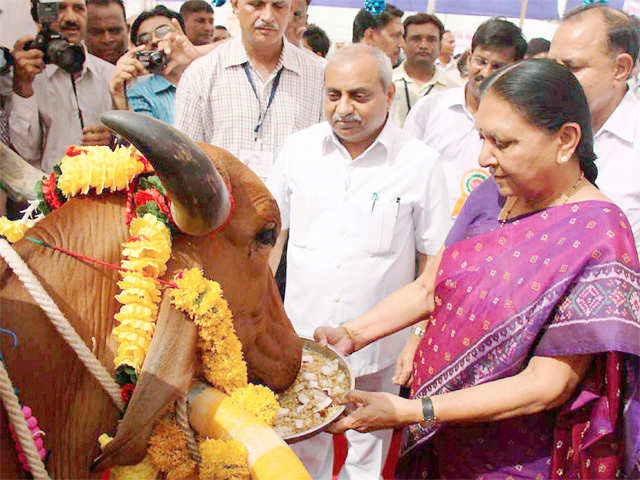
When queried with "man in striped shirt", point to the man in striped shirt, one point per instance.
{"points": [[252, 91]]}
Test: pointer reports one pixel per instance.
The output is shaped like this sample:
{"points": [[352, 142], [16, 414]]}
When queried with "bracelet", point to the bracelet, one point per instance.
{"points": [[351, 336], [428, 415], [418, 331]]}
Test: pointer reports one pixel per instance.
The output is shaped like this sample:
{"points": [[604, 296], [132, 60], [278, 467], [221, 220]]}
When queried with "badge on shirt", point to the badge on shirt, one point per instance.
{"points": [[260, 162]]}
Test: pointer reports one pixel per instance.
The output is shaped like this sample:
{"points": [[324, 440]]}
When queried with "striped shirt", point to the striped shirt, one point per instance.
{"points": [[216, 104], [153, 96]]}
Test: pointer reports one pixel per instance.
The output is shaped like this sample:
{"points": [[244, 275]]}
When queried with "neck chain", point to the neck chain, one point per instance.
{"points": [[567, 195]]}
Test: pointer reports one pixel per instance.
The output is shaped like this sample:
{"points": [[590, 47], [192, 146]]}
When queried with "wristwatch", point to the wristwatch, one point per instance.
{"points": [[418, 331], [428, 415]]}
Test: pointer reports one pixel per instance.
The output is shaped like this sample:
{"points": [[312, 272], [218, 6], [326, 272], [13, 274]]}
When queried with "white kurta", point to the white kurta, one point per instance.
{"points": [[354, 227], [617, 145], [443, 122]]}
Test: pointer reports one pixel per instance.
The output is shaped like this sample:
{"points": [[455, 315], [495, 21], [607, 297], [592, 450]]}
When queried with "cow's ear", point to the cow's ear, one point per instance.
{"points": [[166, 374]]}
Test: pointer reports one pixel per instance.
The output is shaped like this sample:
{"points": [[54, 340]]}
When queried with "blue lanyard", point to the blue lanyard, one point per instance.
{"points": [[274, 87]]}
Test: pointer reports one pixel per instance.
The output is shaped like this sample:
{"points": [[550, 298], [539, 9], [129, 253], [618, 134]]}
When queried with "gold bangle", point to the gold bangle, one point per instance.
{"points": [[350, 335]]}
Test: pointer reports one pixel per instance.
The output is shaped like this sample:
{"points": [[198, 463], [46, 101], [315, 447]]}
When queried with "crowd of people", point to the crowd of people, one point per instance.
{"points": [[464, 226]]}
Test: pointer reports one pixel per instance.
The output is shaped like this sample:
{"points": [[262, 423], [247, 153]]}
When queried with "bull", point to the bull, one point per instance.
{"points": [[71, 407]]}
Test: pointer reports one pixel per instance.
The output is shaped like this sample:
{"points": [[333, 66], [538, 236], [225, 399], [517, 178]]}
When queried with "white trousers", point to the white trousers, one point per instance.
{"points": [[367, 451]]}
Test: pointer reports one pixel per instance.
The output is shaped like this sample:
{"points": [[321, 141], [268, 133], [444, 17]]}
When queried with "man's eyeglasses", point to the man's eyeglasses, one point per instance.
{"points": [[159, 33]]}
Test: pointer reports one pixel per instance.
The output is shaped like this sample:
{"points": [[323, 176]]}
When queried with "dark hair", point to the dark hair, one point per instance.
{"points": [[422, 19], [158, 11], [536, 46], [499, 33], [104, 3], [365, 20], [317, 39], [195, 6], [548, 96], [622, 29]]}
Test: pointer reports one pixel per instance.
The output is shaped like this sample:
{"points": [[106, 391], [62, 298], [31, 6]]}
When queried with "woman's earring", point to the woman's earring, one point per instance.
{"points": [[564, 159]]}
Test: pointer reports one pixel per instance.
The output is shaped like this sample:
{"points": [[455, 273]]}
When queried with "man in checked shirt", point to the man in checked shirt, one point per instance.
{"points": [[251, 92]]}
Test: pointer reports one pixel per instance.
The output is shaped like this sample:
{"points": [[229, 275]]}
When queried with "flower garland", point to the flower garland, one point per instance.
{"points": [[92, 170], [13, 230]]}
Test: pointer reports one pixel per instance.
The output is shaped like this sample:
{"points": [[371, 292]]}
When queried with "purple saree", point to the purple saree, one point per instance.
{"points": [[563, 281]]}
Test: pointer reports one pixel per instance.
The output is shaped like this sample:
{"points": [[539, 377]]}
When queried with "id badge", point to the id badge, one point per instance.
{"points": [[260, 162]]}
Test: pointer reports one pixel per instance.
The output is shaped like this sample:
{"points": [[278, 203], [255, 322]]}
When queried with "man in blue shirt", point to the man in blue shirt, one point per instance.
{"points": [[155, 94]]}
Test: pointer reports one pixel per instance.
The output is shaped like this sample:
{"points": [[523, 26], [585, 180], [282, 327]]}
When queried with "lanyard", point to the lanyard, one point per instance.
{"points": [[406, 93], [274, 87]]}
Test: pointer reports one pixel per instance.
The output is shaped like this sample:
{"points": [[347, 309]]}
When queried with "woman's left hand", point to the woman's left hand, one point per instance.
{"points": [[376, 411]]}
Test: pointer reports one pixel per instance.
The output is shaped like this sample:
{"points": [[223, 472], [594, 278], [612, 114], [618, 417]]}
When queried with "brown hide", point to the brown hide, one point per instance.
{"points": [[70, 406]]}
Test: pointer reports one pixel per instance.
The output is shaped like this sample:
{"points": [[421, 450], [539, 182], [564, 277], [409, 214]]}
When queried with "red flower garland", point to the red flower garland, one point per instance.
{"points": [[49, 191]]}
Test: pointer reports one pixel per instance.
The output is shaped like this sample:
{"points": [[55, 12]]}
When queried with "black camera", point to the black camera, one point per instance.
{"points": [[153, 60], [57, 50]]}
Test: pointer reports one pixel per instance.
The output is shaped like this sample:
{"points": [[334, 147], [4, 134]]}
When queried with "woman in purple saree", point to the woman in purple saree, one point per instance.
{"points": [[530, 365]]}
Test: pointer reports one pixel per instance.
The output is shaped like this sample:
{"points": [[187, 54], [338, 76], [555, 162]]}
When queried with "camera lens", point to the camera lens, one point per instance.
{"points": [[68, 57]]}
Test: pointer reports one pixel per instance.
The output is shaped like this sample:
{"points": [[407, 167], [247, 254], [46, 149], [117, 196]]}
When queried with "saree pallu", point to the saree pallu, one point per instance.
{"points": [[564, 281]]}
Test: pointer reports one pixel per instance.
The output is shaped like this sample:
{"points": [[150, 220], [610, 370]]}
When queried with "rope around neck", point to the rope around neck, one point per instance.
{"points": [[61, 324]]}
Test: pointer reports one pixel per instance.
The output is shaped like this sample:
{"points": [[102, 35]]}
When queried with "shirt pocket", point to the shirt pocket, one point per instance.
{"points": [[379, 225]]}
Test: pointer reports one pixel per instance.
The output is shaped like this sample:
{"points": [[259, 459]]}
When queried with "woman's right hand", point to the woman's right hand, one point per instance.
{"points": [[127, 68], [404, 363], [338, 338]]}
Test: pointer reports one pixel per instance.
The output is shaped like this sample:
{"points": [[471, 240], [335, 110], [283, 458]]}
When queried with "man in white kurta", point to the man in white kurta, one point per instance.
{"points": [[583, 43], [358, 198]]}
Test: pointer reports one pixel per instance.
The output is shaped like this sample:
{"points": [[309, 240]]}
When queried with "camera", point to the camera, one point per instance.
{"points": [[57, 50], [153, 60]]}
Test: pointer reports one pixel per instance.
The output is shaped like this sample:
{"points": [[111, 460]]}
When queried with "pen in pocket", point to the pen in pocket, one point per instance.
{"points": [[374, 197], [397, 206]]}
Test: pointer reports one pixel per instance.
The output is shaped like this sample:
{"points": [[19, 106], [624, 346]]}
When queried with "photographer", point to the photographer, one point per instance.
{"points": [[60, 90], [162, 50]]}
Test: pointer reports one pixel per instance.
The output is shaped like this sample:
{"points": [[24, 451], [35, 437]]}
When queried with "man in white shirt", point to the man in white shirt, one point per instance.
{"points": [[417, 76], [252, 91], [445, 121], [298, 22], [600, 46], [51, 108], [358, 198]]}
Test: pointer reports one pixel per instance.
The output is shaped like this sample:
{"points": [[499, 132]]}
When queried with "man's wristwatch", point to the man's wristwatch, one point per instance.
{"points": [[418, 331], [428, 415]]}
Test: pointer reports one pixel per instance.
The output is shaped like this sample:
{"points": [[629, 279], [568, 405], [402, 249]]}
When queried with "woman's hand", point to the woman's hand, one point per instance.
{"points": [[404, 363], [377, 411], [338, 338]]}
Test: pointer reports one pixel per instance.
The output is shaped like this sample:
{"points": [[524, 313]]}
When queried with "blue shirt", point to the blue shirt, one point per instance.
{"points": [[155, 97]]}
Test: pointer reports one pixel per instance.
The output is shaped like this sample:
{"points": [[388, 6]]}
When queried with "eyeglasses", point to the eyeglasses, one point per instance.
{"points": [[159, 33], [481, 62]]}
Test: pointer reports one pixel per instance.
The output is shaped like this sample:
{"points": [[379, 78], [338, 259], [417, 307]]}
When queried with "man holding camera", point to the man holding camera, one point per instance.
{"points": [[60, 90]]}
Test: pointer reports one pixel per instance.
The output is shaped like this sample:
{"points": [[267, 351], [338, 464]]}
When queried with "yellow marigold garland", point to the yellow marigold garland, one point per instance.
{"points": [[222, 460], [168, 450], [13, 230], [99, 168], [147, 251], [257, 400], [221, 351]]}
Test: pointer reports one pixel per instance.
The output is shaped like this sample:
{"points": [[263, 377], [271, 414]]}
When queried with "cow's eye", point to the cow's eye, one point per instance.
{"points": [[268, 235]]}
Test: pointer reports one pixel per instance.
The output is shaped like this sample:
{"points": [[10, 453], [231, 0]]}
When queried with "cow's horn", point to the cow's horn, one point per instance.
{"points": [[199, 198]]}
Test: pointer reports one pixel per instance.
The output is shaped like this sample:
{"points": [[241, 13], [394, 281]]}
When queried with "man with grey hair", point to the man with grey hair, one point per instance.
{"points": [[360, 201], [599, 44]]}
